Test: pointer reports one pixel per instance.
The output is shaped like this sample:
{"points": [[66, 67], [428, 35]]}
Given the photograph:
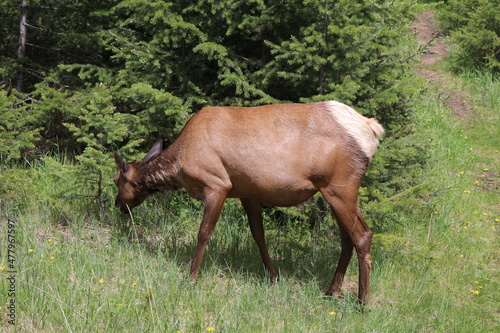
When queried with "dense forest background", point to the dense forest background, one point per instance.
{"points": [[80, 79], [150, 65]]}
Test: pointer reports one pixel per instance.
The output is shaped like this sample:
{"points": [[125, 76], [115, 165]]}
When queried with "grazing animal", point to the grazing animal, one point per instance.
{"points": [[280, 155]]}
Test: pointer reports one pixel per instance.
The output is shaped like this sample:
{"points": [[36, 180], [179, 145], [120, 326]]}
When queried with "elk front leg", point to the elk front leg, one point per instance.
{"points": [[213, 208]]}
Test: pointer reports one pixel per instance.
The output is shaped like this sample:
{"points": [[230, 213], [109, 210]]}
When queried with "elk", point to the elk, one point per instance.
{"points": [[280, 155]]}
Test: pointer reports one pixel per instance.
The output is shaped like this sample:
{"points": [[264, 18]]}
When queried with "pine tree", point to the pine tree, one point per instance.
{"points": [[474, 26], [17, 136], [354, 51], [100, 129]]}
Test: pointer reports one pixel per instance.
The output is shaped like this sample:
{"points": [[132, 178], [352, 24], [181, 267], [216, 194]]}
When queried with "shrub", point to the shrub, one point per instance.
{"points": [[475, 30]]}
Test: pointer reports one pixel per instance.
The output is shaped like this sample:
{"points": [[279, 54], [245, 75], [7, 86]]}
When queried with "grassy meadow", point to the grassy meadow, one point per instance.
{"points": [[435, 270]]}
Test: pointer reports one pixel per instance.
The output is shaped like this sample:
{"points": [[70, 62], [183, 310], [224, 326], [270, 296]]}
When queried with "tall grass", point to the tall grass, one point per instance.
{"points": [[434, 270]]}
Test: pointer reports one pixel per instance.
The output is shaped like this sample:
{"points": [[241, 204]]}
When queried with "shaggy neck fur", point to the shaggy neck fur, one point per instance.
{"points": [[161, 173]]}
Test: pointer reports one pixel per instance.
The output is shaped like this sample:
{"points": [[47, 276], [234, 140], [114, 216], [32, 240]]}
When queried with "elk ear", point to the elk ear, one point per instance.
{"points": [[154, 151], [120, 163]]}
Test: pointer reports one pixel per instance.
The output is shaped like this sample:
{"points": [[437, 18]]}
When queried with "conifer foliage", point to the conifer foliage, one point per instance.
{"points": [[118, 75], [474, 26], [162, 60]]}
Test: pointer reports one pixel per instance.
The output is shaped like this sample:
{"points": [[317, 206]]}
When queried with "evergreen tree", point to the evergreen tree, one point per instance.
{"points": [[474, 26], [17, 135], [122, 74], [163, 60], [355, 52], [100, 129]]}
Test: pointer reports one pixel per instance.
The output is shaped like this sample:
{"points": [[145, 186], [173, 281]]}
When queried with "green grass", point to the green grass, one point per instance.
{"points": [[436, 270]]}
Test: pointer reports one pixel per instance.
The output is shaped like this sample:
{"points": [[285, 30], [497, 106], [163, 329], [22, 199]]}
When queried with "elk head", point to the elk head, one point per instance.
{"points": [[130, 178]]}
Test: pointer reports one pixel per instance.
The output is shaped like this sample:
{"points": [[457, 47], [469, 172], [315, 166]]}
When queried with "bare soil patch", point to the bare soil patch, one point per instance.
{"points": [[436, 50]]}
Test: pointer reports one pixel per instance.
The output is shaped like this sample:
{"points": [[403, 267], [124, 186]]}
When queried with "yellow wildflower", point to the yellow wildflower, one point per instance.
{"points": [[101, 280], [31, 250]]}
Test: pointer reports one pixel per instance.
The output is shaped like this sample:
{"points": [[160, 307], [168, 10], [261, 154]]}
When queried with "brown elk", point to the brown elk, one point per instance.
{"points": [[279, 155]]}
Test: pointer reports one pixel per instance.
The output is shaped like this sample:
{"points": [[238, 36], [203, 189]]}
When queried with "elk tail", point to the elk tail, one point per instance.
{"points": [[377, 129]]}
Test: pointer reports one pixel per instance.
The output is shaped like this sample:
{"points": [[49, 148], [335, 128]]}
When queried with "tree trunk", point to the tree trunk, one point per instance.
{"points": [[100, 198], [21, 51], [326, 22]]}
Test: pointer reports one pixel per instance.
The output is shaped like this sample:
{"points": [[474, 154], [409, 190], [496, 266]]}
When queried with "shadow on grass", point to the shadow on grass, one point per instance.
{"points": [[232, 251]]}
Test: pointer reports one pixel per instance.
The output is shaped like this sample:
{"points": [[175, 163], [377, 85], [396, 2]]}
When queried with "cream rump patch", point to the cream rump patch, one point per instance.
{"points": [[364, 130]]}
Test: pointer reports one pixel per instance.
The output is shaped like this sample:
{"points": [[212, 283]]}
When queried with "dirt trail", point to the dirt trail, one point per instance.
{"points": [[457, 100], [436, 50]]}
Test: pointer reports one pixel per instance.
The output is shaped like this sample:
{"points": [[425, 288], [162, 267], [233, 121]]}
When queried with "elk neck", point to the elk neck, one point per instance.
{"points": [[162, 173]]}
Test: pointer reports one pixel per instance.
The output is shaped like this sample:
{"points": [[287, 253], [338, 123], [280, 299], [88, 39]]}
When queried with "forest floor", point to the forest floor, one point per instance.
{"points": [[433, 40]]}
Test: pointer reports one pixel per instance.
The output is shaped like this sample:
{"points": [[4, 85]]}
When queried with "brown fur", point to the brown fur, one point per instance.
{"points": [[276, 154]]}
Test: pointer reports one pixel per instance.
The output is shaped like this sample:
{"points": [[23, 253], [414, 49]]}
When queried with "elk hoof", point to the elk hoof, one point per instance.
{"points": [[336, 294]]}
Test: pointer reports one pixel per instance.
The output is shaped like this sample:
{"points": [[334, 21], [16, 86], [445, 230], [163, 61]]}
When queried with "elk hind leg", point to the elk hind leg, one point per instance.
{"points": [[345, 258], [354, 227]]}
